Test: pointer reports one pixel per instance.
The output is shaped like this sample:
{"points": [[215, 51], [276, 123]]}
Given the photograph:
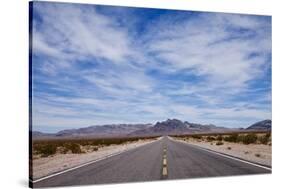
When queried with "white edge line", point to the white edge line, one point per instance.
{"points": [[85, 164], [227, 156]]}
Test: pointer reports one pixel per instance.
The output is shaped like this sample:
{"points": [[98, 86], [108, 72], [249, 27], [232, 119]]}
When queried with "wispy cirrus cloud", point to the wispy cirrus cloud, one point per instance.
{"points": [[102, 64], [228, 49]]}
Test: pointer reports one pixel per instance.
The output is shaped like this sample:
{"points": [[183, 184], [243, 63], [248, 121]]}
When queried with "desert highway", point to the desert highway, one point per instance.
{"points": [[162, 159]]}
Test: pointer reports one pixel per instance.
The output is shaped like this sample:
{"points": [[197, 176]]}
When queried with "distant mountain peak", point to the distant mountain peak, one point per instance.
{"points": [[170, 123], [261, 125]]}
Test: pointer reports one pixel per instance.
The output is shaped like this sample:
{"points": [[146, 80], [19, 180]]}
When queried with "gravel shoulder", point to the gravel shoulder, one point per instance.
{"points": [[59, 162], [258, 153]]}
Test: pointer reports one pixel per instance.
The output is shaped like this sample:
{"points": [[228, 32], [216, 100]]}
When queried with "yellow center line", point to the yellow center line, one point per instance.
{"points": [[165, 171], [164, 161]]}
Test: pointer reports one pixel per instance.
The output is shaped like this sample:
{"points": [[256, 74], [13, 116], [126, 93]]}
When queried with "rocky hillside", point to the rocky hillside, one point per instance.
{"points": [[168, 127], [175, 126], [264, 125], [104, 130]]}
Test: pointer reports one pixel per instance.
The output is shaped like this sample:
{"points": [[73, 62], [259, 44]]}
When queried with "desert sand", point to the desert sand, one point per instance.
{"points": [[258, 153]]}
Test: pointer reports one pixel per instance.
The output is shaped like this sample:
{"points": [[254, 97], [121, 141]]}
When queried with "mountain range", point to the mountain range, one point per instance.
{"points": [[168, 127], [261, 125]]}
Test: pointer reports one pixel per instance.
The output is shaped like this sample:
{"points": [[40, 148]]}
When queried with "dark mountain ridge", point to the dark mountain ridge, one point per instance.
{"points": [[104, 130], [168, 127], [261, 125], [175, 126]]}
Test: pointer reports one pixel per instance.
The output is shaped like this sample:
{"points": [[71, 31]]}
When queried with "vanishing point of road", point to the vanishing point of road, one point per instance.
{"points": [[162, 159]]}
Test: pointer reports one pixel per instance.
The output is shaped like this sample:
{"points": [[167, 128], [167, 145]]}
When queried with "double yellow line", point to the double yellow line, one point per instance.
{"points": [[164, 166]]}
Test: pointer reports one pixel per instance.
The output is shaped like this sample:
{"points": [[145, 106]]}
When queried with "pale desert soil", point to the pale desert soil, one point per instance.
{"points": [[59, 162], [258, 153]]}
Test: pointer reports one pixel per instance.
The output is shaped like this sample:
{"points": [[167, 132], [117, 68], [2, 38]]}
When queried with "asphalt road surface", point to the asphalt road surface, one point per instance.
{"points": [[163, 159]]}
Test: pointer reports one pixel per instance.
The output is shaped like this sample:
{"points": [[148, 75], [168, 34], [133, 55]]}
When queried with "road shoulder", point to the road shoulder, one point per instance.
{"points": [[241, 152], [60, 163]]}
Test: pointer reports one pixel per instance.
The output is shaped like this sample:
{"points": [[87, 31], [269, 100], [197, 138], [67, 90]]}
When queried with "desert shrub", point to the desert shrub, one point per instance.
{"points": [[49, 147], [219, 143], [46, 150], [249, 138], [95, 149], [257, 155], [240, 138], [210, 138], [219, 138], [196, 136], [73, 147], [231, 138], [268, 135], [264, 139], [229, 148], [64, 150]]}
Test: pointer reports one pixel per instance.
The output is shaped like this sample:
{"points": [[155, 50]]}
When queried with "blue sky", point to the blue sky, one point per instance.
{"points": [[97, 65]]}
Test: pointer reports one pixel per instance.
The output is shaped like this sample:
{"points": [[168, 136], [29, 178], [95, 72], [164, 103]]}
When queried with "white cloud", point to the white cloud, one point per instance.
{"points": [[76, 32], [205, 46], [117, 88]]}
